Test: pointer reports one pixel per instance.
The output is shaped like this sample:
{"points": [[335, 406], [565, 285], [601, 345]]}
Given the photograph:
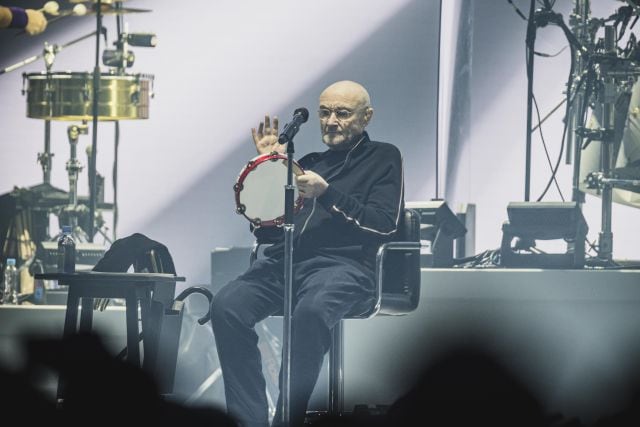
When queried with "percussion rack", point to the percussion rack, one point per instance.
{"points": [[600, 74], [94, 140], [66, 96], [612, 76]]}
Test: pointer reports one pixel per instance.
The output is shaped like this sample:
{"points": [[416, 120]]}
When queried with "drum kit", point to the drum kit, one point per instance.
{"points": [[82, 97], [603, 111]]}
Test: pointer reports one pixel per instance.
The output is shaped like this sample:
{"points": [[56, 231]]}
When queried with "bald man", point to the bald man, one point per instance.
{"points": [[354, 196]]}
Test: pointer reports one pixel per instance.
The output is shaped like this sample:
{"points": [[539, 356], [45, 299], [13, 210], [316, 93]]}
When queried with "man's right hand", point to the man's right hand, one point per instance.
{"points": [[36, 23], [266, 137]]}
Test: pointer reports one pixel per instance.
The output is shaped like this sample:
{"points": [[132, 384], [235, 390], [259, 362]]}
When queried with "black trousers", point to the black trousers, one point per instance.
{"points": [[325, 289]]}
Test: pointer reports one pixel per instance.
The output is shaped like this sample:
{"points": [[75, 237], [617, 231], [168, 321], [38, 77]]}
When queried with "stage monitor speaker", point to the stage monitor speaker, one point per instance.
{"points": [[465, 246], [439, 227], [531, 221], [227, 263]]}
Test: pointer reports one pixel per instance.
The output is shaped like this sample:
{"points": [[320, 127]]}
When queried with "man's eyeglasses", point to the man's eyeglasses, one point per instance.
{"points": [[341, 113]]}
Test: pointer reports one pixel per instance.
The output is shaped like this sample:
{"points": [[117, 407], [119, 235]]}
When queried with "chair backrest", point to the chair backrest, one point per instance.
{"points": [[146, 256], [137, 250], [401, 268], [149, 262], [397, 272]]}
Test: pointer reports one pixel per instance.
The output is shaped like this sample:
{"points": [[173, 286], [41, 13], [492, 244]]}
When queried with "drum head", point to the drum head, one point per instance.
{"points": [[260, 189]]}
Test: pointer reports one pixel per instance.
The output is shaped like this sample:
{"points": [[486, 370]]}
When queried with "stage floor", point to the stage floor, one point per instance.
{"points": [[572, 336]]}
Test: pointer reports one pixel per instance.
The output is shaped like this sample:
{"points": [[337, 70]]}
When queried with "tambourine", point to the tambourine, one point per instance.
{"points": [[260, 189]]}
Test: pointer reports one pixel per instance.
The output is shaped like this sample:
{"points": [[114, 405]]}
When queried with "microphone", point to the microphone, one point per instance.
{"points": [[142, 39], [300, 116]]}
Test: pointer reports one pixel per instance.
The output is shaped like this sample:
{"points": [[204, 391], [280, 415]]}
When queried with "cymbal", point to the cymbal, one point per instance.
{"points": [[95, 1], [109, 7], [112, 10]]}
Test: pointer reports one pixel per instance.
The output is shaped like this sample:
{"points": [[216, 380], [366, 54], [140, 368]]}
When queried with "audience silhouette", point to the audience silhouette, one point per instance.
{"points": [[98, 387], [464, 386]]}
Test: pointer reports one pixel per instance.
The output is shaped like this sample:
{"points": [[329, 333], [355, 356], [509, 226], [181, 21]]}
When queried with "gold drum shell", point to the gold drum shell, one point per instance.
{"points": [[69, 96]]}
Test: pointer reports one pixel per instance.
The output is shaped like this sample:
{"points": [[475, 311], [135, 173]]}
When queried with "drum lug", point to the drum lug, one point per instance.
{"points": [[257, 222], [237, 187], [152, 78], [240, 209], [86, 91]]}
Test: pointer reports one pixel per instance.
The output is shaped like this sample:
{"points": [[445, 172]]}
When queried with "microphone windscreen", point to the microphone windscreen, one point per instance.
{"points": [[303, 112]]}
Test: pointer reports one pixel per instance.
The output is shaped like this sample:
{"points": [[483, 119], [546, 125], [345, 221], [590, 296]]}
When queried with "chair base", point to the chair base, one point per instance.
{"points": [[364, 414]]}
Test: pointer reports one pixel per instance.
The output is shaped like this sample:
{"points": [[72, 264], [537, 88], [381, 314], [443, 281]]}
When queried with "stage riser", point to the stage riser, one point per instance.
{"points": [[571, 336]]}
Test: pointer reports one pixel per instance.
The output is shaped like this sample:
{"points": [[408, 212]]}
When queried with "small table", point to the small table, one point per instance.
{"points": [[154, 291]]}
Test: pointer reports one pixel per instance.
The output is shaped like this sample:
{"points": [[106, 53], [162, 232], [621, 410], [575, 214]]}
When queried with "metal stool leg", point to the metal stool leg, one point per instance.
{"points": [[336, 373], [133, 343]]}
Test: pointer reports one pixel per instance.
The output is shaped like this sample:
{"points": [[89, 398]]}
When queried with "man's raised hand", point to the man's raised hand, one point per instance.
{"points": [[266, 137]]}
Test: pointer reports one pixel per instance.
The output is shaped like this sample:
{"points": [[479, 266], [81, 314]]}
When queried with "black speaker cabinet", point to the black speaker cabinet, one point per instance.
{"points": [[227, 264], [531, 221], [440, 227]]}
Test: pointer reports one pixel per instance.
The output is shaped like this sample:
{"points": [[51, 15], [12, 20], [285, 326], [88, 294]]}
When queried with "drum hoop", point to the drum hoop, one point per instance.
{"points": [[67, 75], [246, 170]]}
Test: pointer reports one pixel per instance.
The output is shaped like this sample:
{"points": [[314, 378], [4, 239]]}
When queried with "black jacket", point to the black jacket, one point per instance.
{"points": [[359, 210]]}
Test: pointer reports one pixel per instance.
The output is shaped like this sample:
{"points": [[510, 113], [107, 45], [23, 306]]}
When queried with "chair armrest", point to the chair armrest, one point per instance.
{"points": [[396, 303], [392, 246]]}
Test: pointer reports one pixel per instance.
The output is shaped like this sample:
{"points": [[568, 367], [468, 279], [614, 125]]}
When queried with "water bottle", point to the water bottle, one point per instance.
{"points": [[39, 291], [66, 251], [10, 291]]}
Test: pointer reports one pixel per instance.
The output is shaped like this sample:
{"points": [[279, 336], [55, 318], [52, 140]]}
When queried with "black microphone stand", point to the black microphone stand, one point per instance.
{"points": [[530, 41], [290, 130], [289, 227], [94, 141]]}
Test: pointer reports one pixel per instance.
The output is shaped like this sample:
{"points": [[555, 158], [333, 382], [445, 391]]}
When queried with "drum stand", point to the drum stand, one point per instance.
{"points": [[48, 53], [94, 139], [73, 168], [580, 26], [45, 158], [614, 80]]}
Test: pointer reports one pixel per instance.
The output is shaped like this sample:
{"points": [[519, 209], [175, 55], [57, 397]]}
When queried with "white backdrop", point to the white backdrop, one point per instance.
{"points": [[219, 67]]}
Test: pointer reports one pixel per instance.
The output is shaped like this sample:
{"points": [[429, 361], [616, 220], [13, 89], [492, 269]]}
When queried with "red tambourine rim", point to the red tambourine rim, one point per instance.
{"points": [[246, 170]]}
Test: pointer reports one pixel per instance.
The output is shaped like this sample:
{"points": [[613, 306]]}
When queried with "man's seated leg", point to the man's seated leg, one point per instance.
{"points": [[328, 290], [235, 310]]}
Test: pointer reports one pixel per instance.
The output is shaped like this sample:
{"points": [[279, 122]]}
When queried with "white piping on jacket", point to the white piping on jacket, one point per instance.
{"points": [[348, 218]]}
